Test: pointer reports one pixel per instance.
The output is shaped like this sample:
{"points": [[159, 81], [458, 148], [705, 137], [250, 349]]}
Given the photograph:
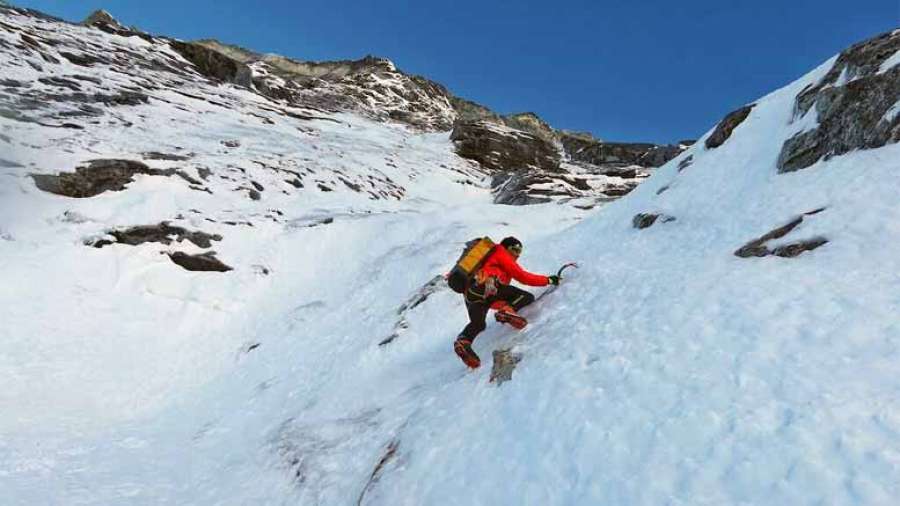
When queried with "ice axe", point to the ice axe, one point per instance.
{"points": [[564, 267], [559, 275]]}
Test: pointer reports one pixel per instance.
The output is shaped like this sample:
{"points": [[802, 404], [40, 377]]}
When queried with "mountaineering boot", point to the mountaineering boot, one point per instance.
{"points": [[463, 348], [507, 314]]}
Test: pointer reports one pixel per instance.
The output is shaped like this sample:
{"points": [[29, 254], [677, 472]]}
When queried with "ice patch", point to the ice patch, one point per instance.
{"points": [[890, 63], [842, 79], [891, 113], [809, 121]]}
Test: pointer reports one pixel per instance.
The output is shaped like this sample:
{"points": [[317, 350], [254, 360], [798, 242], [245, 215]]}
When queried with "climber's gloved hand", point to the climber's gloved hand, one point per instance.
{"points": [[553, 279]]}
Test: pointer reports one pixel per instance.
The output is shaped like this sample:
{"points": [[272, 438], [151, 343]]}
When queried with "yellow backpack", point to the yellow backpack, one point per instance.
{"points": [[472, 258]]}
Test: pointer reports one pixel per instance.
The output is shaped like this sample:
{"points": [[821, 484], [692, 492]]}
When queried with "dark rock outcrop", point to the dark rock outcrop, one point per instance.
{"points": [[214, 64], [855, 103], [645, 220], [795, 248], [584, 148], [162, 233], [727, 125], [758, 247], [96, 177], [202, 262], [156, 155], [498, 147], [687, 162]]}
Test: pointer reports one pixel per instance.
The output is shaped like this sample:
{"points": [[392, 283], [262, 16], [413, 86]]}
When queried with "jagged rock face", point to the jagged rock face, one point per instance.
{"points": [[857, 104], [503, 149], [586, 149], [727, 125], [467, 110], [214, 64], [532, 123]]}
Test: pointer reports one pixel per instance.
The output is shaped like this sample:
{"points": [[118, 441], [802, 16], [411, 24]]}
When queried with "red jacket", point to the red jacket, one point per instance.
{"points": [[502, 265]]}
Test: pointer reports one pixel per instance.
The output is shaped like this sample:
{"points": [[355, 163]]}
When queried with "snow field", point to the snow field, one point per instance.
{"points": [[665, 370]]}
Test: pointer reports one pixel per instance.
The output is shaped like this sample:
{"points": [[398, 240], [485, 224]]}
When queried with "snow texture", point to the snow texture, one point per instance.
{"points": [[665, 370]]}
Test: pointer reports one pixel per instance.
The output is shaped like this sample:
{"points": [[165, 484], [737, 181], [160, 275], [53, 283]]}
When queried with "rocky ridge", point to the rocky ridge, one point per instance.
{"points": [[521, 144], [376, 88]]}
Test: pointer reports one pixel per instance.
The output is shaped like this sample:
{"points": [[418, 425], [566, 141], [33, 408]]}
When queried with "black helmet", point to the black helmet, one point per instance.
{"points": [[512, 244]]}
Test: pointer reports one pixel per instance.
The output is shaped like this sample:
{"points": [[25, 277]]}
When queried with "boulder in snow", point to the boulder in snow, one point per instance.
{"points": [[202, 262], [96, 177], [645, 220], [727, 125], [162, 233], [505, 362]]}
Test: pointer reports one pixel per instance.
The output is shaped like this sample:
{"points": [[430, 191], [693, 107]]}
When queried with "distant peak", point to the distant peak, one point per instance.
{"points": [[101, 17]]}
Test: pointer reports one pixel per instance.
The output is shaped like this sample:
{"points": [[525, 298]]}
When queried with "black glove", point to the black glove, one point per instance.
{"points": [[553, 280]]}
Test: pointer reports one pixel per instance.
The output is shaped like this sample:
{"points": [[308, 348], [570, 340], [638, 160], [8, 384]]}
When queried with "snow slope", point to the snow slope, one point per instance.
{"points": [[666, 370]]}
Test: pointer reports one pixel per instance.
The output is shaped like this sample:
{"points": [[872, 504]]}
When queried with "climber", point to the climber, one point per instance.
{"points": [[490, 289]]}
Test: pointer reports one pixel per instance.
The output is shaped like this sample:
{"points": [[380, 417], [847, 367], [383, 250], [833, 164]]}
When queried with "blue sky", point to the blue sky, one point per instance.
{"points": [[654, 71]]}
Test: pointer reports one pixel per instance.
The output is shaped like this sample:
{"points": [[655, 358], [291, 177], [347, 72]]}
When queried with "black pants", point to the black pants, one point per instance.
{"points": [[478, 305]]}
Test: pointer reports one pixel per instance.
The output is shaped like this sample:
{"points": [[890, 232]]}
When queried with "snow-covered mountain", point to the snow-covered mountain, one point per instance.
{"points": [[214, 294]]}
